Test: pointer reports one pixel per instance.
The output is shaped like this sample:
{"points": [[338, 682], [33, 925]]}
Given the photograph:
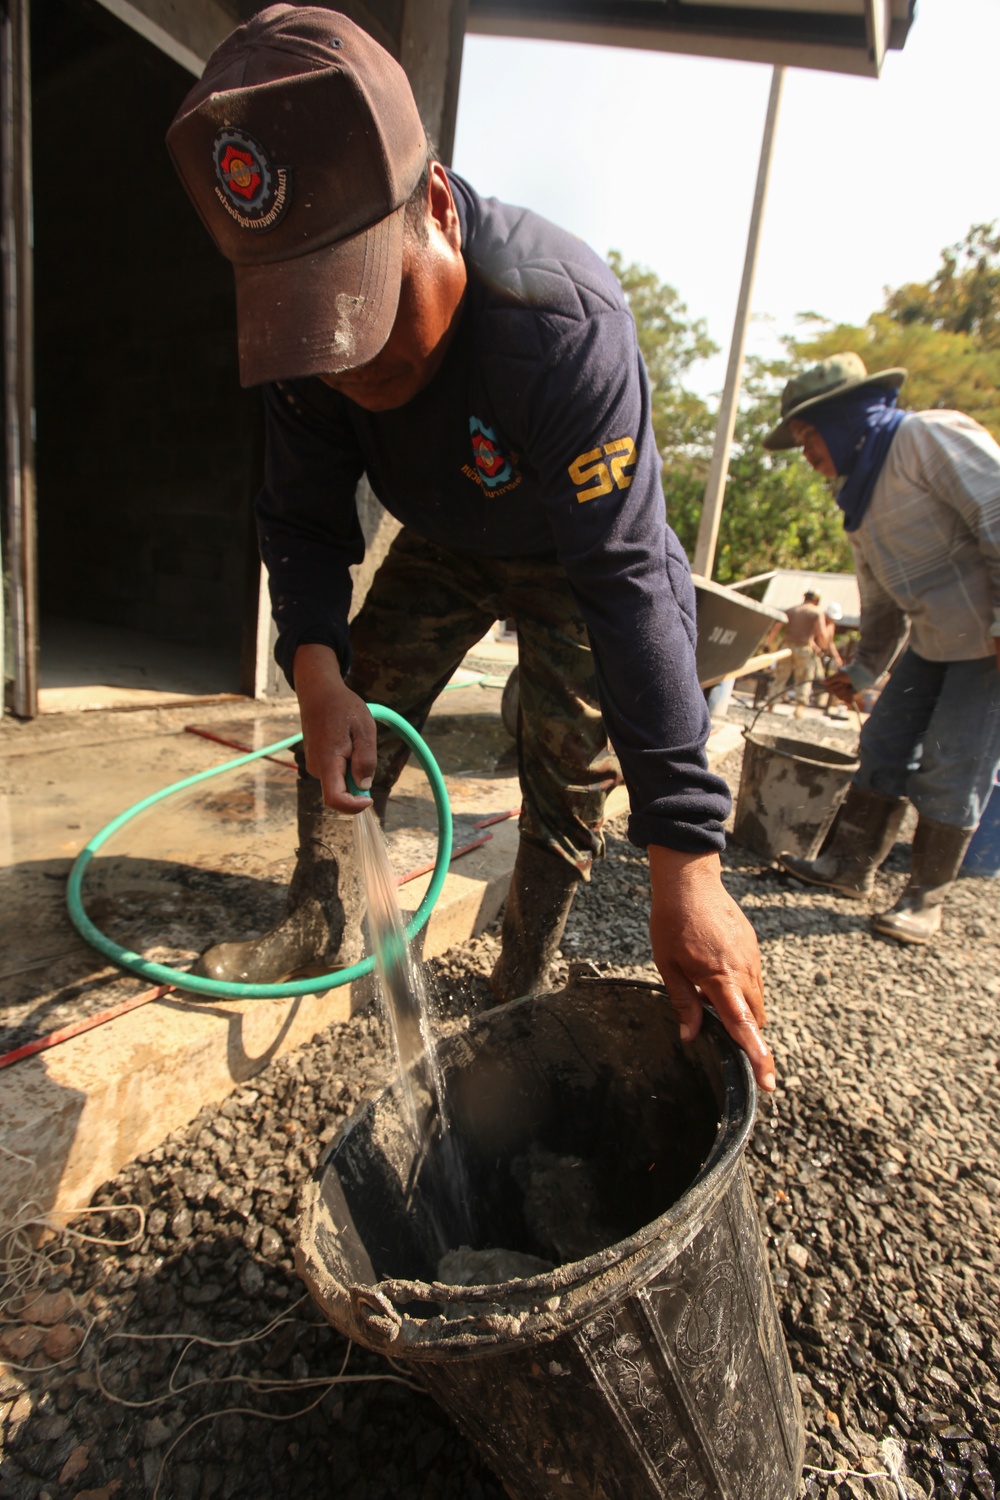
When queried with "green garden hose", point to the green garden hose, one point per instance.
{"points": [[161, 974]]}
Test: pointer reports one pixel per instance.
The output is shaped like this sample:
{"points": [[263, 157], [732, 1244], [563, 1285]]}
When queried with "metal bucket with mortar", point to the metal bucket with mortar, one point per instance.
{"points": [[790, 792], [648, 1361]]}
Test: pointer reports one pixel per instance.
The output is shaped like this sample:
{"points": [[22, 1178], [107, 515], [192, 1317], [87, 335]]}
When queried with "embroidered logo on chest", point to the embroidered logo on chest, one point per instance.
{"points": [[491, 468]]}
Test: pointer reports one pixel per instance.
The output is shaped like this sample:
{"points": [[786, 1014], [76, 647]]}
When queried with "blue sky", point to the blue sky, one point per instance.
{"points": [[656, 155]]}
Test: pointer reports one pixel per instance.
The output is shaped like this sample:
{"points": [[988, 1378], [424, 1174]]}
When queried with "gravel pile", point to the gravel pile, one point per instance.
{"points": [[876, 1170]]}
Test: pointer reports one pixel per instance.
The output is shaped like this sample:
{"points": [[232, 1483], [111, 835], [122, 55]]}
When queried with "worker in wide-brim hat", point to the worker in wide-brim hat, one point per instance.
{"points": [[920, 496], [482, 367]]}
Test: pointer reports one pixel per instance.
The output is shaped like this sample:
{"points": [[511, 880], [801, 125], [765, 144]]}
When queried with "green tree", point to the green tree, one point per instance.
{"points": [[946, 370], [945, 332], [683, 424], [777, 512], [963, 295]]}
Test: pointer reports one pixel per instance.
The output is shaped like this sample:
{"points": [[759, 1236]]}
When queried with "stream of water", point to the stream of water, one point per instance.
{"points": [[404, 994]]}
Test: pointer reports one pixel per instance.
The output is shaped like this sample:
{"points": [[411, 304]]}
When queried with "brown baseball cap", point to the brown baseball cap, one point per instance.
{"points": [[299, 147]]}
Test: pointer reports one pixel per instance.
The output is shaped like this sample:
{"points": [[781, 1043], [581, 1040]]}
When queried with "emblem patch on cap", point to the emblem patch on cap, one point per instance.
{"points": [[250, 188]]}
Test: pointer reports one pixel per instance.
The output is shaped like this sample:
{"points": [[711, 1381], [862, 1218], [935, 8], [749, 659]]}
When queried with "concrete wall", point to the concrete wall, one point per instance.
{"points": [[148, 450]]}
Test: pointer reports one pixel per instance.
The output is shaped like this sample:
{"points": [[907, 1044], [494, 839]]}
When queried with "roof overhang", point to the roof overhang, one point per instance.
{"points": [[838, 36], [188, 31]]}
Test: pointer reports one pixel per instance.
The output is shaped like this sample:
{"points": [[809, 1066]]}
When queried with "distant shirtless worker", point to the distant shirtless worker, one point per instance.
{"points": [[832, 615], [805, 632]]}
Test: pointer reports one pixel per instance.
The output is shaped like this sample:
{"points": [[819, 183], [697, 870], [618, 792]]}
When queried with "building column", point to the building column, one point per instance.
{"points": [[18, 373], [430, 48]]}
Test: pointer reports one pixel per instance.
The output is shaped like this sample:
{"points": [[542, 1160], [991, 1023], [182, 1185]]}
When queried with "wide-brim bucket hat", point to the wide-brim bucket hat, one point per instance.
{"points": [[836, 376]]}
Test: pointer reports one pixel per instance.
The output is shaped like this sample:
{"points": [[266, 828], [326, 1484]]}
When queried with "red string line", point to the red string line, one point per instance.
{"points": [[206, 734]]}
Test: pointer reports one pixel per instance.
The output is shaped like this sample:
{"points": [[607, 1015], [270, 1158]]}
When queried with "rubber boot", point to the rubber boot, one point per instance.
{"points": [[324, 909], [938, 851], [541, 893], [865, 831]]}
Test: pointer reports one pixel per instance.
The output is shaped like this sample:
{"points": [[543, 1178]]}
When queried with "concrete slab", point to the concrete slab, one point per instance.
{"points": [[76, 1113], [724, 739], [70, 1116]]}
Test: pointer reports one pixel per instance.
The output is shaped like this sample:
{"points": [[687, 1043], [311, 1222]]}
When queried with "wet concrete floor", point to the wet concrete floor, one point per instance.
{"points": [[213, 861]]}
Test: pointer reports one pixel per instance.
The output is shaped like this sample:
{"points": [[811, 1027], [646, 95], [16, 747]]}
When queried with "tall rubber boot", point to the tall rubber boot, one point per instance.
{"points": [[938, 851], [541, 893], [865, 831], [324, 909]]}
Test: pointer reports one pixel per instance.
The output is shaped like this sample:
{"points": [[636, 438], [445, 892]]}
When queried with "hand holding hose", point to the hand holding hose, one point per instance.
{"points": [[337, 728]]}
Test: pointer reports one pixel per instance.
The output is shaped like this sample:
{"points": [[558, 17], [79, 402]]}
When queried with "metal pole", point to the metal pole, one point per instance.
{"points": [[715, 489]]}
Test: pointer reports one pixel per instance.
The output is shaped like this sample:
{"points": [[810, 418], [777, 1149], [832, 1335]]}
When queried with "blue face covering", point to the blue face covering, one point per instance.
{"points": [[858, 430]]}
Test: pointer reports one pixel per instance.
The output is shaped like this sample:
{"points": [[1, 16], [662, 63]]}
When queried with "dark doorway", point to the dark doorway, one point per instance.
{"points": [[148, 450]]}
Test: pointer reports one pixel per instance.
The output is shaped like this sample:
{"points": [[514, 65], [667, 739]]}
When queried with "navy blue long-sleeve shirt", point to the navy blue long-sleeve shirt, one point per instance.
{"points": [[533, 437]]}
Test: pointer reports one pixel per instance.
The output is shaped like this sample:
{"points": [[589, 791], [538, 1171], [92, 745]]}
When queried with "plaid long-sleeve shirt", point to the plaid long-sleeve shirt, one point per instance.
{"points": [[928, 549]]}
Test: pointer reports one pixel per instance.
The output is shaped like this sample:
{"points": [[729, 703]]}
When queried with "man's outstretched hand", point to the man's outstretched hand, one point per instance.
{"points": [[337, 729], [706, 950]]}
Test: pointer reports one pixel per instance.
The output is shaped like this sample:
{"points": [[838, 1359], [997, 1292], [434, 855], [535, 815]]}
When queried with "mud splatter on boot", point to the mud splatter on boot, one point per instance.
{"points": [[322, 918], [865, 831], [938, 851], [541, 893]]}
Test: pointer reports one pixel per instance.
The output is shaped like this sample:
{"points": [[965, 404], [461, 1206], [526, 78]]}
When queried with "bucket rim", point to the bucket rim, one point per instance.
{"points": [[514, 1311], [851, 761]]}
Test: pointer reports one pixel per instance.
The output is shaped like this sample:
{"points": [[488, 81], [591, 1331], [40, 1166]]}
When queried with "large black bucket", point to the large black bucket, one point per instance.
{"points": [[653, 1366], [790, 793]]}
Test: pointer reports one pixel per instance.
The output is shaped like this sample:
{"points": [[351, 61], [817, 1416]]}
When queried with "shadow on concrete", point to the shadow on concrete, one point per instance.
{"points": [[242, 1062], [166, 910], [38, 1124]]}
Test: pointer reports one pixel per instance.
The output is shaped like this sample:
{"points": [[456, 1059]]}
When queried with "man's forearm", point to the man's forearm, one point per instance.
{"points": [[882, 634], [316, 664]]}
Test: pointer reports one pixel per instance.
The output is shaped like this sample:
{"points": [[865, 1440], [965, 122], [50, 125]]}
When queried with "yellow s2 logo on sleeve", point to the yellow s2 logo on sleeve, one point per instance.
{"points": [[595, 477]]}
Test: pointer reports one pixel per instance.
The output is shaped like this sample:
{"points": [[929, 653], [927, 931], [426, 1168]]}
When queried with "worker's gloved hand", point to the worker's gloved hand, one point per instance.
{"points": [[841, 686], [337, 728], [705, 949]]}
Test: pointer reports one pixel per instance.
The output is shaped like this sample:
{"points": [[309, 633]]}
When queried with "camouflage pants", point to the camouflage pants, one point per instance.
{"points": [[426, 608]]}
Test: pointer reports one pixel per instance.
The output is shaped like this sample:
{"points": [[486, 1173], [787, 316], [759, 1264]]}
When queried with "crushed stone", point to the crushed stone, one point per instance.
{"points": [[876, 1170]]}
